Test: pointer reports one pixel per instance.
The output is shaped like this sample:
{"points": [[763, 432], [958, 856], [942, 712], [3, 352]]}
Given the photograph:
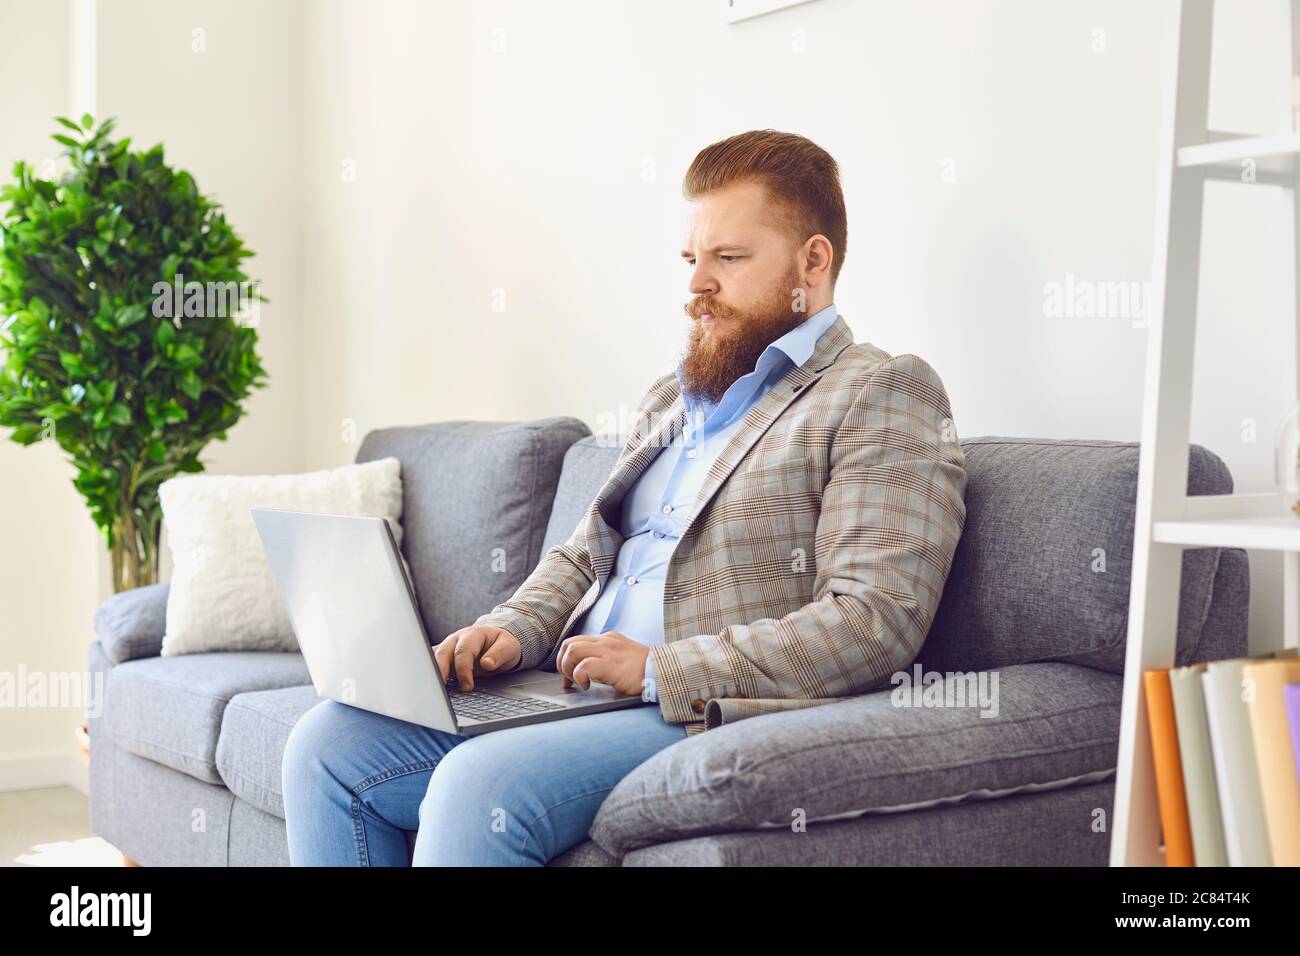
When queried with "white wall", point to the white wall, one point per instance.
{"points": [[47, 540], [217, 85]]}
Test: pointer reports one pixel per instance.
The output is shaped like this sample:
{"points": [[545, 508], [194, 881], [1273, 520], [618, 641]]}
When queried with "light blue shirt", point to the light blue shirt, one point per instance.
{"points": [[657, 508]]}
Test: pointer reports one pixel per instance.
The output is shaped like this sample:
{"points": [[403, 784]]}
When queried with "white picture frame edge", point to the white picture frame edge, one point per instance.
{"points": [[733, 11]]}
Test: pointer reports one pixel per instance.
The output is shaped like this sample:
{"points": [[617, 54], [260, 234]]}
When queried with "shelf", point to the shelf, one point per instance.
{"points": [[1222, 157], [1190, 155], [1279, 532]]}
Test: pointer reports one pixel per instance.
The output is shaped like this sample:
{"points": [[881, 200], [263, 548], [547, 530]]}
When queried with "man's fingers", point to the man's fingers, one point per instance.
{"points": [[572, 649], [497, 652], [563, 664], [589, 669], [466, 653], [442, 654]]}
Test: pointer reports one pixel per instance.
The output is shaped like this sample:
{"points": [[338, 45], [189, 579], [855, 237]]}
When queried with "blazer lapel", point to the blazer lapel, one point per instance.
{"points": [[663, 430], [767, 409], [668, 417]]}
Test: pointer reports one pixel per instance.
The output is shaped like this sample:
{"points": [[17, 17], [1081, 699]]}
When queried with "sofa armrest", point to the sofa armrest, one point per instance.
{"points": [[1036, 726], [131, 624]]}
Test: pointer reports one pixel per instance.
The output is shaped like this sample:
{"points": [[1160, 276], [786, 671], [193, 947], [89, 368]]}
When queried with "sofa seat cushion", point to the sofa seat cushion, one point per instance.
{"points": [[169, 709], [585, 853], [1047, 726], [250, 750], [1022, 829]]}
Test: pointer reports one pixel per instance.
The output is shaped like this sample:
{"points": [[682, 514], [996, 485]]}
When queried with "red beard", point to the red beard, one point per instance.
{"points": [[732, 343]]}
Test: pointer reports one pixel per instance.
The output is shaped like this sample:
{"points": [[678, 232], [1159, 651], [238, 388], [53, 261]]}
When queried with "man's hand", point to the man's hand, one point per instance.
{"points": [[611, 658], [491, 649]]}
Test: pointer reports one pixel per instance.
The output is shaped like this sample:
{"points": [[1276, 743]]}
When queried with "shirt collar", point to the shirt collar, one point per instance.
{"points": [[799, 343]]}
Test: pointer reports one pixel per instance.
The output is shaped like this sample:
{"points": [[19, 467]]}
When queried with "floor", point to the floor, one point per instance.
{"points": [[50, 827]]}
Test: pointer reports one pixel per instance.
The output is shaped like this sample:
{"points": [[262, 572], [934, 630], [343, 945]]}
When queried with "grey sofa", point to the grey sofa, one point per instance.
{"points": [[185, 751]]}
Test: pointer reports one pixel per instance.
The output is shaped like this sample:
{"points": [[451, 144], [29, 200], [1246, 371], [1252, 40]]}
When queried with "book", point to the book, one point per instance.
{"points": [[1274, 755], [1202, 791], [1291, 693], [1168, 768], [1240, 802]]}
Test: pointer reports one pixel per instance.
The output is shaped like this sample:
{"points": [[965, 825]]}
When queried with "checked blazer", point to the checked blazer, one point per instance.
{"points": [[815, 559]]}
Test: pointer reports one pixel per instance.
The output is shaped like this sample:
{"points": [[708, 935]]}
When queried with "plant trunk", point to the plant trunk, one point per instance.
{"points": [[135, 550]]}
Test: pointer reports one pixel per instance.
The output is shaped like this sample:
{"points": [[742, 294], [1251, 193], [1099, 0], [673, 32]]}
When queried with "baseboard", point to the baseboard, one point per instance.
{"points": [[36, 771]]}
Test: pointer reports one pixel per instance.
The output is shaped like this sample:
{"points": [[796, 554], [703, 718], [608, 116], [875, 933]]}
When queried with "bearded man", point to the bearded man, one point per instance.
{"points": [[776, 533]]}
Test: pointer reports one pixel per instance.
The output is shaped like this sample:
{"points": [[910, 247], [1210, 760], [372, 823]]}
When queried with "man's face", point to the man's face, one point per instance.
{"points": [[744, 276]]}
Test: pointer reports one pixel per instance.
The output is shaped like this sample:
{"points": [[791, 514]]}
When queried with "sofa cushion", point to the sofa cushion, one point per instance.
{"points": [[250, 750], [224, 595], [169, 709], [1225, 631], [585, 853], [1022, 829], [587, 464], [1048, 726], [476, 500], [130, 624], [1043, 565]]}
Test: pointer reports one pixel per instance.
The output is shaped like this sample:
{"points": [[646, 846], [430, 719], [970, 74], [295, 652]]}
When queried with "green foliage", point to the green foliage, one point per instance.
{"points": [[132, 397]]}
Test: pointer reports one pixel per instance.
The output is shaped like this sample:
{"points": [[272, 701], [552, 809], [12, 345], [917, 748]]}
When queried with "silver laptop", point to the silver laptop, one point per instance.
{"points": [[350, 600]]}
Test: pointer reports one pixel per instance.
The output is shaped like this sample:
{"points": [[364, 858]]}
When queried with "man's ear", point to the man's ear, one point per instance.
{"points": [[817, 254]]}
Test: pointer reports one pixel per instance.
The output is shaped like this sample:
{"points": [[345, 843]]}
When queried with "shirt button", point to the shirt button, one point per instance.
{"points": [[631, 579], [658, 534], [697, 705], [668, 509], [693, 453]]}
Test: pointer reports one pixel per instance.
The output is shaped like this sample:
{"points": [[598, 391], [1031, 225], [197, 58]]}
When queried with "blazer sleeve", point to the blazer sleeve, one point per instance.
{"points": [[535, 614], [892, 511]]}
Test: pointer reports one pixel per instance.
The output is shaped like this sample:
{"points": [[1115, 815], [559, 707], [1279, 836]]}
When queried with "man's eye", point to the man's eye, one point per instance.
{"points": [[729, 258]]}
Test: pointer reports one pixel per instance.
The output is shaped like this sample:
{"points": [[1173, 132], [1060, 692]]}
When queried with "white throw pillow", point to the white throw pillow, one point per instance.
{"points": [[223, 595]]}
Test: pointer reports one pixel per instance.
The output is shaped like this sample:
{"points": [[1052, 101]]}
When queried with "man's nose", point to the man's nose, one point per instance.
{"points": [[702, 282]]}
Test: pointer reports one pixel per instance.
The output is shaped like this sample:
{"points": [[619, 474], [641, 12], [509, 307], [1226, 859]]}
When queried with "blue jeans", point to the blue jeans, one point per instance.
{"points": [[356, 782]]}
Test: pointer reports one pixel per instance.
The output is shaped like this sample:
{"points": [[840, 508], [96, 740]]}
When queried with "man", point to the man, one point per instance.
{"points": [[776, 533]]}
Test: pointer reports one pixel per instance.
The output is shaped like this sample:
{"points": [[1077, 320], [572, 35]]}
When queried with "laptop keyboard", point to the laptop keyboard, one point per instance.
{"points": [[484, 705]]}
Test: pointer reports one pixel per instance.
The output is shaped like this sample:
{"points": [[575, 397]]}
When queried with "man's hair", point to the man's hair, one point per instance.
{"points": [[801, 177]]}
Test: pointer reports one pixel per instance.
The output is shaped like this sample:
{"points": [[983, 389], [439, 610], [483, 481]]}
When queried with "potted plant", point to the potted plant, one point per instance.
{"points": [[108, 348]]}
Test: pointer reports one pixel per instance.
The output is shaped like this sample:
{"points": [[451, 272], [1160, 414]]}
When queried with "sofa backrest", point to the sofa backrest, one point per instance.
{"points": [[587, 464], [1042, 569], [476, 498]]}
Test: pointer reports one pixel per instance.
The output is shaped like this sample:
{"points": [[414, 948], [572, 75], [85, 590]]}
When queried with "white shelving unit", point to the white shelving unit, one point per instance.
{"points": [[1168, 521]]}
